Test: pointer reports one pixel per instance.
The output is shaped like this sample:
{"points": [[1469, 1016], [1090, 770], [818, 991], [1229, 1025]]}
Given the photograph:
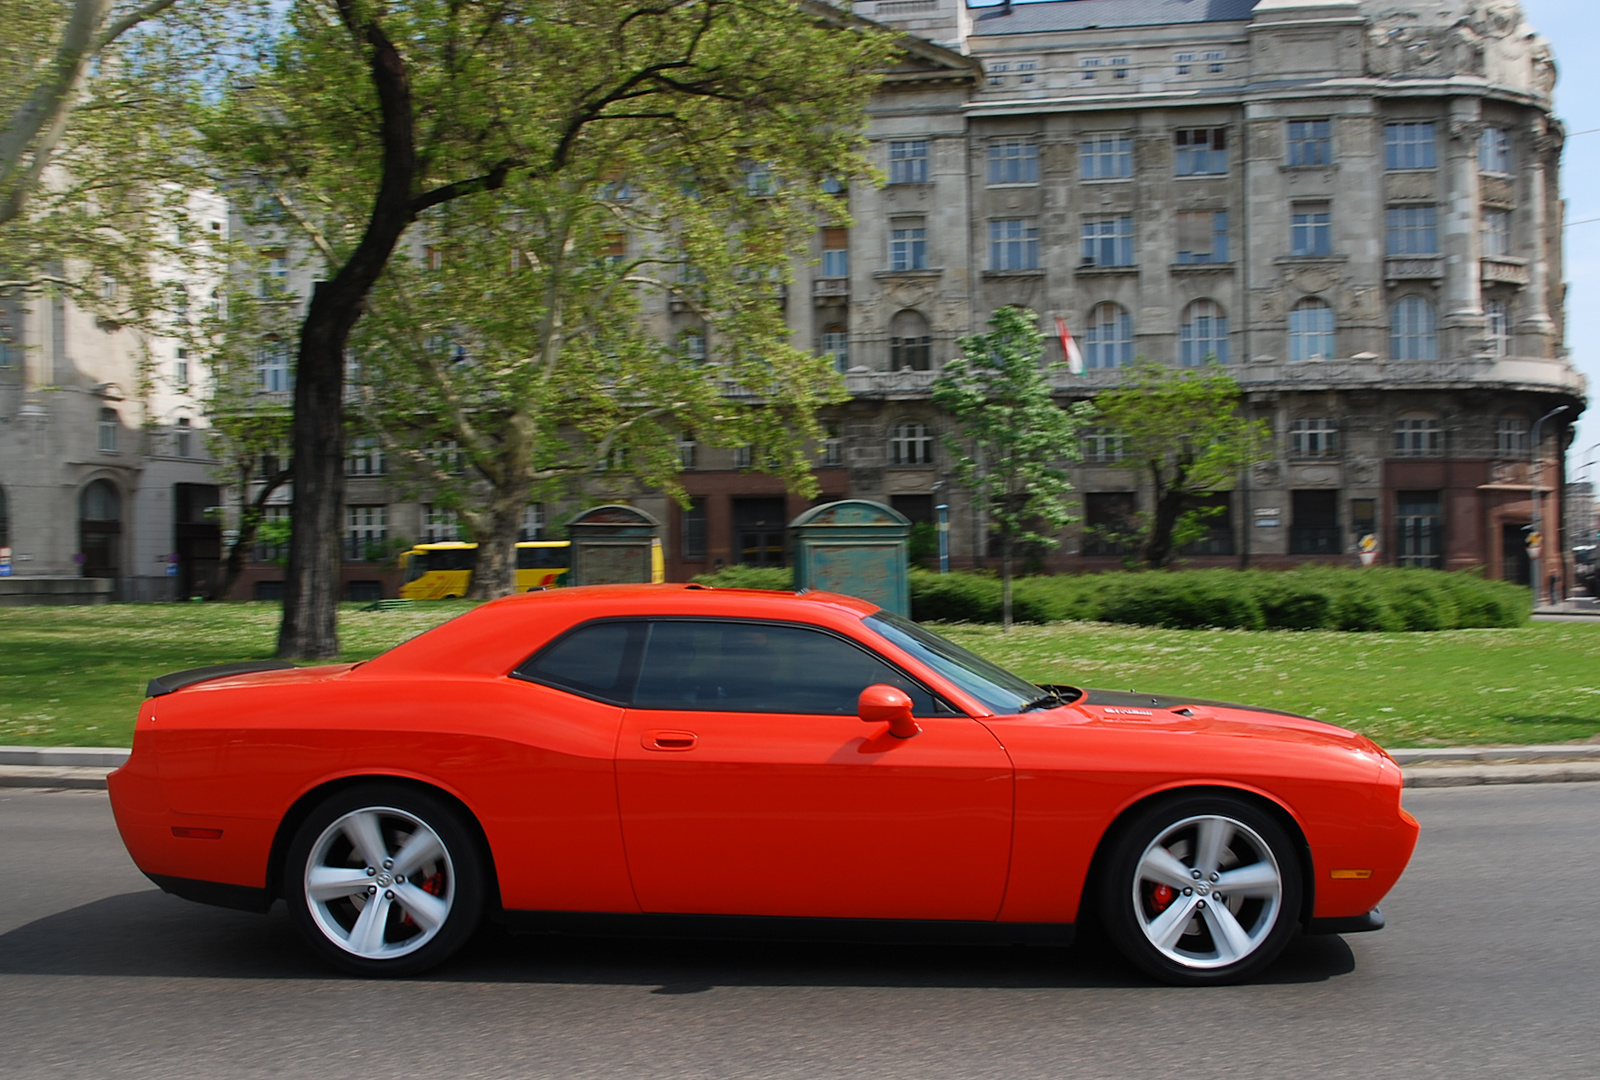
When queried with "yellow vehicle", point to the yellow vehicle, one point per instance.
{"points": [[441, 571]]}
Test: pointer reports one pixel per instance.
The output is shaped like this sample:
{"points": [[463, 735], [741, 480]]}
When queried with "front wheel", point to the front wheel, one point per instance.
{"points": [[1202, 890], [384, 880]]}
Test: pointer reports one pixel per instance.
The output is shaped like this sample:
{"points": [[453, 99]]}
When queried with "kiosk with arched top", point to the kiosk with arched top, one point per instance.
{"points": [[615, 545], [855, 547]]}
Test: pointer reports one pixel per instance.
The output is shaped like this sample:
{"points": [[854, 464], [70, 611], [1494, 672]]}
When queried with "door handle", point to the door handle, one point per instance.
{"points": [[669, 740]]}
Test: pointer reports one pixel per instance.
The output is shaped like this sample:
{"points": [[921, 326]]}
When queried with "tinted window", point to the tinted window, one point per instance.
{"points": [[597, 661], [754, 667], [551, 558]]}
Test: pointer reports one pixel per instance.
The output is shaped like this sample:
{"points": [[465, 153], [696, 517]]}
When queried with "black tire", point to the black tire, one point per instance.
{"points": [[1157, 896], [428, 896]]}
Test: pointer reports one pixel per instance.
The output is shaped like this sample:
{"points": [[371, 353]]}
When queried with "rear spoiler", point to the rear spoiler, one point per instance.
{"points": [[166, 684]]}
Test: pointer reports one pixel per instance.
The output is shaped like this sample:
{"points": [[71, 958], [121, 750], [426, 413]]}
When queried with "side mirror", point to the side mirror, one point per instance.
{"points": [[883, 704]]}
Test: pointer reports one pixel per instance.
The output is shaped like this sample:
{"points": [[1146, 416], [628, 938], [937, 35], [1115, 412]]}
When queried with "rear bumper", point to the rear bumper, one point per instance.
{"points": [[216, 893], [1347, 924]]}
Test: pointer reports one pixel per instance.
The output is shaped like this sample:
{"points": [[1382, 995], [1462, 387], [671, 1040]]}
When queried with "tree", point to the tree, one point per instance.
{"points": [[1182, 431], [1011, 436], [367, 116]]}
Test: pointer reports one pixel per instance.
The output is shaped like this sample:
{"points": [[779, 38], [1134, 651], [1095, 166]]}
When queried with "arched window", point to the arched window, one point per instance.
{"points": [[1412, 333], [1203, 333], [1311, 330], [910, 344], [106, 436], [836, 343], [1498, 326], [100, 529], [911, 444], [1108, 338]]}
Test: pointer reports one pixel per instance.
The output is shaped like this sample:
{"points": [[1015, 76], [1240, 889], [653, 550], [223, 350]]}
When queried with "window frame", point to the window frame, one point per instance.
{"points": [[1013, 154], [1112, 155], [1411, 230], [1404, 148], [1112, 234], [1193, 348], [1311, 228], [1197, 156], [1308, 149], [1303, 339], [910, 444], [1014, 243], [908, 161]]}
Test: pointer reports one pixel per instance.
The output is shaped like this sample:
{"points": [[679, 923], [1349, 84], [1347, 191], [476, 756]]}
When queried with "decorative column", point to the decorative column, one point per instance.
{"points": [[1535, 303], [1463, 318]]}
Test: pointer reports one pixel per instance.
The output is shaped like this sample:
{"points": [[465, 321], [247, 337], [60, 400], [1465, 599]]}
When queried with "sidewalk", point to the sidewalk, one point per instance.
{"points": [[85, 767]]}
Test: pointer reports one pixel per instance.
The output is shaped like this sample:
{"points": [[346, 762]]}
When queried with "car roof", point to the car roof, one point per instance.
{"points": [[494, 638]]}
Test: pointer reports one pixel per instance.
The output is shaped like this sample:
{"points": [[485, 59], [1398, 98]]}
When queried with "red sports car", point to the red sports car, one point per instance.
{"points": [[670, 758]]}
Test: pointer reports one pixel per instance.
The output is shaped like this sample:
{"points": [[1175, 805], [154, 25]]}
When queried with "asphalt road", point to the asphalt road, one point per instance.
{"points": [[1490, 967]]}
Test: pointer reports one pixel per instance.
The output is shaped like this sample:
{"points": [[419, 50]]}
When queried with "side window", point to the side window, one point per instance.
{"points": [[596, 661], [751, 667]]}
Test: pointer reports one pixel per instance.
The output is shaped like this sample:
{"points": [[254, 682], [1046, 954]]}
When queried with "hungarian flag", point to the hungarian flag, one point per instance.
{"points": [[1069, 348]]}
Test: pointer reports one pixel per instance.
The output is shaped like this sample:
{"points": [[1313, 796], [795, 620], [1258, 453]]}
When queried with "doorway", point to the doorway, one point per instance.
{"points": [[1515, 566], [759, 527]]}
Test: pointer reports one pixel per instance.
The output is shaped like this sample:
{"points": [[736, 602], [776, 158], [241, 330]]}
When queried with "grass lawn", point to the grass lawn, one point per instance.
{"points": [[76, 675]]}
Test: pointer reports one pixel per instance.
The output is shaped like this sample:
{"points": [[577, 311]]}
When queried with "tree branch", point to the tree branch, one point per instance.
{"points": [[132, 19], [493, 180]]}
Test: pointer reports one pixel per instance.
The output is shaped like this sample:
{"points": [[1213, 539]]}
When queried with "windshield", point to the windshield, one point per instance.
{"points": [[1001, 691]]}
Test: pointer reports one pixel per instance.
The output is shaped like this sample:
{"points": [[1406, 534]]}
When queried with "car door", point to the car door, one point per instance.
{"points": [[748, 785]]}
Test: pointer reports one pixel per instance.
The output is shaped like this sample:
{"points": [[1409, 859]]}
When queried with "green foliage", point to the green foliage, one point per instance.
{"points": [[1184, 436], [738, 576], [1010, 437], [923, 544]]}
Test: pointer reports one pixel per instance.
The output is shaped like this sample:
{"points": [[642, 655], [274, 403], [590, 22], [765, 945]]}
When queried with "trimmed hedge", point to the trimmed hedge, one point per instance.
{"points": [[1306, 598]]}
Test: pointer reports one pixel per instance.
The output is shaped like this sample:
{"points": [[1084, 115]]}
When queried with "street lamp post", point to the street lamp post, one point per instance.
{"points": [[1536, 472]]}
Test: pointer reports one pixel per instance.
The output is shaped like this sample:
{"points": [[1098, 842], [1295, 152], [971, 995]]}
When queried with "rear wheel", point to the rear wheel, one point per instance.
{"points": [[384, 880], [1201, 890]]}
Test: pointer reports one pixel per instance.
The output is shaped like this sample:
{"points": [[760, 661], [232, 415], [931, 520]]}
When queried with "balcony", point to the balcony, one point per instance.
{"points": [[1373, 373], [1504, 270], [826, 292], [889, 385], [1413, 268]]}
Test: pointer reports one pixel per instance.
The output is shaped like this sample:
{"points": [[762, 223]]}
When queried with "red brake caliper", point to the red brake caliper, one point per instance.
{"points": [[1161, 896], [434, 884]]}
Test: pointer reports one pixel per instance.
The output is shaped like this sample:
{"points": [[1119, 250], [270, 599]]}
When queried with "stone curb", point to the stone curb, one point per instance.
{"points": [[86, 767]]}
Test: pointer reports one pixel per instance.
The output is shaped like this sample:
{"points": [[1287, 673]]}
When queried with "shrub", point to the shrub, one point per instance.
{"points": [[750, 577]]}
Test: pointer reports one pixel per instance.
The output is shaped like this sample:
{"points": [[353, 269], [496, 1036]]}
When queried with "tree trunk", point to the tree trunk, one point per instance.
{"points": [[1158, 549], [496, 571], [311, 587], [251, 514], [1006, 546]]}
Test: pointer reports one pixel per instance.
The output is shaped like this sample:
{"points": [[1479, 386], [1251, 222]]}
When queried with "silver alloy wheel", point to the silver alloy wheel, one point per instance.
{"points": [[379, 883], [1207, 891]]}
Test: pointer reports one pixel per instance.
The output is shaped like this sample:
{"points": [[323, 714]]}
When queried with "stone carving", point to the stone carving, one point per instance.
{"points": [[1265, 473], [908, 292], [1360, 303], [1267, 305], [1361, 473], [1313, 279]]}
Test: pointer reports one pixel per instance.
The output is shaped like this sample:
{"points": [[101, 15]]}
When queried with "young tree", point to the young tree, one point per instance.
{"points": [[367, 116], [1010, 435], [1182, 432]]}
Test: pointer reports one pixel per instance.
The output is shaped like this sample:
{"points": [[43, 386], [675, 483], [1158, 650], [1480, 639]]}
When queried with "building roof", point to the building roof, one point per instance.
{"points": [[1030, 18]]}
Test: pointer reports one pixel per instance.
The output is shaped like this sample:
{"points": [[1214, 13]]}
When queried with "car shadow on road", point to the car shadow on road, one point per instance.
{"points": [[150, 934]]}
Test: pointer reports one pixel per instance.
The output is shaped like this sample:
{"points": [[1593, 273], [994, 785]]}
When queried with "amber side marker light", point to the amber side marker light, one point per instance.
{"points": [[216, 834], [1350, 875]]}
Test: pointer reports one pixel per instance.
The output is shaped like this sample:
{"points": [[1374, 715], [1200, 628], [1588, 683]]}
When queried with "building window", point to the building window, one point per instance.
{"points": [[445, 455], [1411, 230], [832, 444], [532, 526], [365, 458], [272, 515], [1495, 232], [1311, 331], [1106, 157], [439, 524], [1412, 334], [1201, 151], [1214, 62], [366, 528], [1419, 529], [1218, 539], [1013, 244], [1497, 326], [1418, 435], [694, 530], [997, 73], [1313, 437], [743, 456], [272, 367], [688, 452], [1202, 237], [1027, 70], [910, 343], [1409, 145], [180, 370], [908, 244], [1202, 335], [1511, 436], [183, 439], [1108, 337], [1103, 446], [1013, 161], [1310, 143], [836, 344], [911, 444], [694, 346], [1119, 67], [759, 181], [1090, 66], [908, 161], [1110, 520], [1310, 229], [106, 431], [1183, 62], [1494, 151], [835, 253], [1108, 241], [1314, 526], [273, 279]]}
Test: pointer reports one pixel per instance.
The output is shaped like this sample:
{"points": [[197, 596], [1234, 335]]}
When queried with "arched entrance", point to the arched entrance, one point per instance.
{"points": [[100, 530]]}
